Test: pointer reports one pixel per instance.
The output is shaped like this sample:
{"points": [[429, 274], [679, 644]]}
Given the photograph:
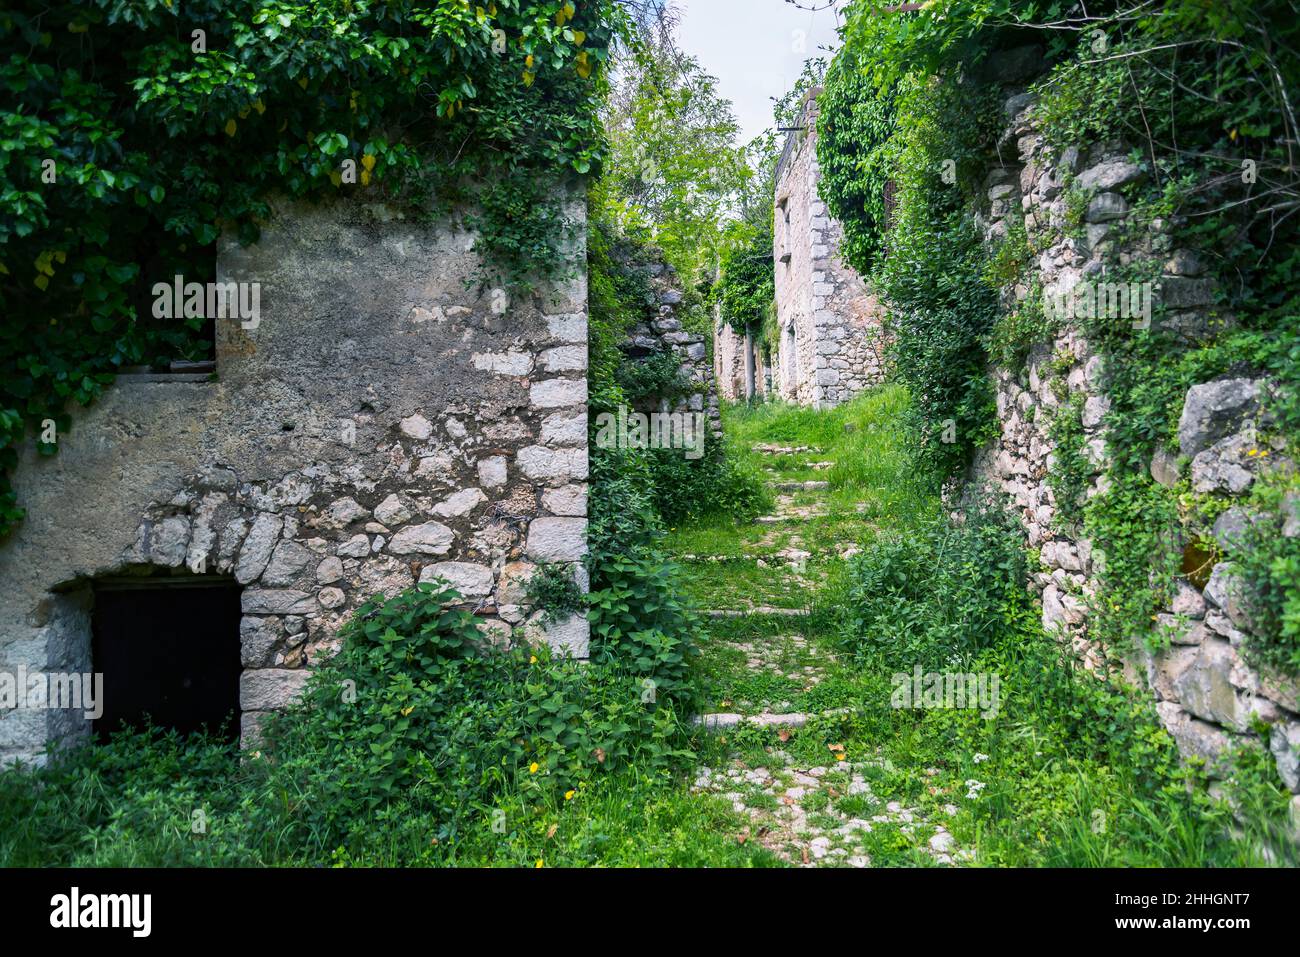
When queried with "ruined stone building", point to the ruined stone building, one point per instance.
{"points": [[381, 423], [829, 323]]}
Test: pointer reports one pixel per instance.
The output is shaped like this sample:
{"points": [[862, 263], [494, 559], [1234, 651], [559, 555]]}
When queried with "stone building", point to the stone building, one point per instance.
{"points": [[829, 338], [381, 423]]}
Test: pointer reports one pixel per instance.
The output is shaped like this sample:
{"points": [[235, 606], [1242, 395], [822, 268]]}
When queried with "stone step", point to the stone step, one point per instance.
{"points": [[809, 486], [770, 448], [720, 721], [778, 519], [759, 610], [726, 719], [789, 557]]}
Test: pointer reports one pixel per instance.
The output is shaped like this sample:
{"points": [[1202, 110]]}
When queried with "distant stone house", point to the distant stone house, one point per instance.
{"points": [[200, 540], [828, 347]]}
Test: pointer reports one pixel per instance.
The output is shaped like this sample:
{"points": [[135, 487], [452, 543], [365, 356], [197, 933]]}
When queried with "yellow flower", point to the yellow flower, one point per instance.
{"points": [[407, 711], [841, 757], [533, 768], [569, 795], [532, 660], [539, 863]]}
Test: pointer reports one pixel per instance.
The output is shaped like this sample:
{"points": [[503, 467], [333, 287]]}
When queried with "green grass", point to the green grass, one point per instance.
{"points": [[873, 477]]}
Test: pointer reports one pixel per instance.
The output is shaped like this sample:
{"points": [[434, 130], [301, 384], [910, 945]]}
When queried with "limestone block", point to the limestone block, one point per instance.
{"points": [[557, 539], [555, 393], [568, 500], [470, 579], [1214, 410], [459, 504], [258, 638], [270, 689], [492, 471], [257, 547], [277, 601], [431, 538]]}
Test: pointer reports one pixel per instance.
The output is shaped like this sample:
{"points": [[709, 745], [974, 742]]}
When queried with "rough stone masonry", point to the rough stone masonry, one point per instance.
{"points": [[384, 423], [829, 322], [1208, 697]]}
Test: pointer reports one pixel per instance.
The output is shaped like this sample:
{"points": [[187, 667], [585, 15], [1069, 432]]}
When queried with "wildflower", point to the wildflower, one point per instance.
{"points": [[569, 795], [539, 863], [974, 789], [532, 660], [534, 768], [980, 758]]}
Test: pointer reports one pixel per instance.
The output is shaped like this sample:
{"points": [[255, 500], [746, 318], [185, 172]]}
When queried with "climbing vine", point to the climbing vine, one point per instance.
{"points": [[135, 131], [1204, 95]]}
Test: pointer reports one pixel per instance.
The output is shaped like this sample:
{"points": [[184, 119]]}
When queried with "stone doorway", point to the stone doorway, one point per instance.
{"points": [[169, 652]]}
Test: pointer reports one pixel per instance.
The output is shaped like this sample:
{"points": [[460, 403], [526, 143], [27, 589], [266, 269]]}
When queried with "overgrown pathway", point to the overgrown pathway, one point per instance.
{"points": [[777, 732]]}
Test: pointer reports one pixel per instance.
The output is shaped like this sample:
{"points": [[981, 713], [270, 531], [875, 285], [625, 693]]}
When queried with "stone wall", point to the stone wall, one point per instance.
{"points": [[729, 362], [382, 424], [664, 333], [829, 322], [1206, 694]]}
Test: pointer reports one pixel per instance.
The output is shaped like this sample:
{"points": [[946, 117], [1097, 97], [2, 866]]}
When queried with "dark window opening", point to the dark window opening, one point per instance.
{"points": [[178, 345], [169, 654]]}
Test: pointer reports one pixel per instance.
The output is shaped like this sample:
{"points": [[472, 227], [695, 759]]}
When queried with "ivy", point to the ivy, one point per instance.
{"points": [[747, 289], [857, 154]]}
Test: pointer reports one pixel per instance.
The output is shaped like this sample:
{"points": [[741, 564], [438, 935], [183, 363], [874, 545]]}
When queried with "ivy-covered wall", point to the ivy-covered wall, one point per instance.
{"points": [[1052, 454], [1088, 261], [382, 423]]}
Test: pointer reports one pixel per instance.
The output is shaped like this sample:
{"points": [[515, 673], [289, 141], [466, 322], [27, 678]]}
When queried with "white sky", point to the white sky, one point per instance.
{"points": [[756, 49]]}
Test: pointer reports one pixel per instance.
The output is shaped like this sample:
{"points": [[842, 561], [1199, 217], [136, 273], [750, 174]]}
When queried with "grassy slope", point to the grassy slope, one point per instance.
{"points": [[1042, 797]]}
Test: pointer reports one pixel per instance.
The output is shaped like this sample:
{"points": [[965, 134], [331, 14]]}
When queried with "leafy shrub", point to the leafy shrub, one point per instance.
{"points": [[656, 376], [940, 309], [552, 590], [855, 127], [401, 748], [716, 484], [1269, 562], [640, 625], [747, 289], [940, 591]]}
